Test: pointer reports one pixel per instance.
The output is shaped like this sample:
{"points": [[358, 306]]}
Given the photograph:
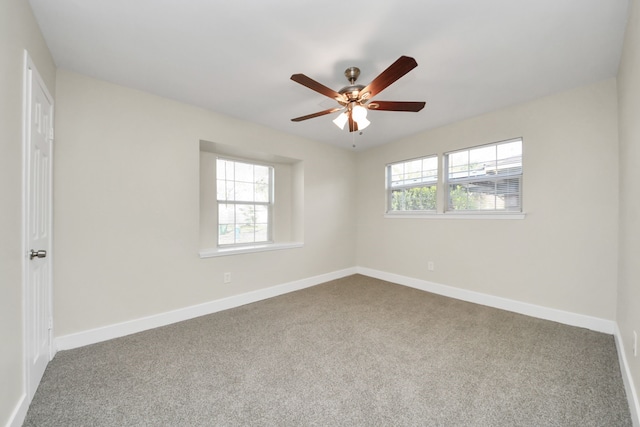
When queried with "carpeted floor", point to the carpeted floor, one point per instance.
{"points": [[352, 352]]}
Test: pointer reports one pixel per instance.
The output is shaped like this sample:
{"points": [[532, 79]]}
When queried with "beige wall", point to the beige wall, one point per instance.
{"points": [[18, 31], [628, 317], [127, 206], [562, 256]]}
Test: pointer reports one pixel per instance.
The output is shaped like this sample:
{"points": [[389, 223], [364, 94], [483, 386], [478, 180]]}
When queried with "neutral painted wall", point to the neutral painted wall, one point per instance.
{"points": [[628, 317], [563, 255], [127, 206], [18, 31]]}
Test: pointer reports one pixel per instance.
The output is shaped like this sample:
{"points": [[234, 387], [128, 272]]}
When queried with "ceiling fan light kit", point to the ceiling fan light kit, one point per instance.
{"points": [[355, 99], [341, 120]]}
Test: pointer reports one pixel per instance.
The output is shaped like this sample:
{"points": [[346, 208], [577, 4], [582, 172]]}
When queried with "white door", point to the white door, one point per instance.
{"points": [[37, 217]]}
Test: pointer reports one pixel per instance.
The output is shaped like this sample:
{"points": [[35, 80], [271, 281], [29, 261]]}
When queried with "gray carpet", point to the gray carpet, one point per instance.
{"points": [[351, 352]]}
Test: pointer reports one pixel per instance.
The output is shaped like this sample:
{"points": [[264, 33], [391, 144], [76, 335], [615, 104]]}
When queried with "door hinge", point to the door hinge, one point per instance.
{"points": [[51, 134], [50, 323]]}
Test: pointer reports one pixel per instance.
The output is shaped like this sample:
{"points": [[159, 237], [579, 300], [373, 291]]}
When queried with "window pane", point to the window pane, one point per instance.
{"points": [[246, 234], [481, 160], [486, 195], [412, 170], [482, 155], [262, 233], [226, 234], [430, 169], [226, 223], [510, 149], [226, 214], [459, 165], [221, 165], [397, 174], [463, 197], [261, 173], [225, 190], [261, 192], [262, 214], [244, 191], [414, 199], [245, 215], [244, 172]]}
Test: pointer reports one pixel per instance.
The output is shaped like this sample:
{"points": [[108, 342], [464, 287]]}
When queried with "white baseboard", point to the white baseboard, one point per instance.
{"points": [[19, 412], [629, 387], [92, 336], [560, 316], [96, 335]]}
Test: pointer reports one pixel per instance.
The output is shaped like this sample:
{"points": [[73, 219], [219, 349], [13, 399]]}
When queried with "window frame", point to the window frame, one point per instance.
{"points": [[269, 205], [447, 181], [442, 210], [422, 183]]}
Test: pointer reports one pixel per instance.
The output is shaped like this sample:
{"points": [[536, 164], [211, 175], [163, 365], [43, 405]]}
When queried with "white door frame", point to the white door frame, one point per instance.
{"points": [[32, 77]]}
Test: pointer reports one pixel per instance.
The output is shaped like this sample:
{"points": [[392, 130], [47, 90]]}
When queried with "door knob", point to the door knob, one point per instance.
{"points": [[37, 254]]}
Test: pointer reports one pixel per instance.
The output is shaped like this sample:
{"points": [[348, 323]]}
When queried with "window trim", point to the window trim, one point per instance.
{"points": [[459, 215], [247, 249]]}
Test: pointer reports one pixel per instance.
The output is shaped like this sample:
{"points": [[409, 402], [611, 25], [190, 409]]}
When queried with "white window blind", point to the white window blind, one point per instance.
{"points": [[485, 178], [245, 197]]}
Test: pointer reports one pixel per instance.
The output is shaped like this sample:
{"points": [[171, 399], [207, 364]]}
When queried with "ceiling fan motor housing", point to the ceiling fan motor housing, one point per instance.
{"points": [[351, 93]]}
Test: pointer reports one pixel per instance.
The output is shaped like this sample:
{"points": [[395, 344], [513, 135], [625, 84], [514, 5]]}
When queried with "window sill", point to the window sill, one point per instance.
{"points": [[237, 250], [492, 215]]}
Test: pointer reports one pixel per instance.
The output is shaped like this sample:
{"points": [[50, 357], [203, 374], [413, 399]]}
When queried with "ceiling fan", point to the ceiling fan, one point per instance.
{"points": [[355, 99]]}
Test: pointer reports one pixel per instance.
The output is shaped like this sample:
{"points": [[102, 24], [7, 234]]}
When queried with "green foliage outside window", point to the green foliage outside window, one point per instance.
{"points": [[424, 199], [461, 199], [414, 199]]}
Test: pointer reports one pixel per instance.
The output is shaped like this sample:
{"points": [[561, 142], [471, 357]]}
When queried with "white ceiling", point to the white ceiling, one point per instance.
{"points": [[236, 57]]}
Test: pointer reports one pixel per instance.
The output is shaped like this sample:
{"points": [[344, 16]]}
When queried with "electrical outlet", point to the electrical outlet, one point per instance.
{"points": [[635, 344], [227, 277], [430, 266]]}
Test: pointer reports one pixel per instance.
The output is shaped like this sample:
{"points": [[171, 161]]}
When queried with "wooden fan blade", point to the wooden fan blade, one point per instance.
{"points": [[314, 85], [396, 106], [318, 114], [402, 66]]}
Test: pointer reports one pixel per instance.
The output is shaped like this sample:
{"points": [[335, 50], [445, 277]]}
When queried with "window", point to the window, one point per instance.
{"points": [[245, 198], [479, 180], [250, 201], [411, 185], [485, 178]]}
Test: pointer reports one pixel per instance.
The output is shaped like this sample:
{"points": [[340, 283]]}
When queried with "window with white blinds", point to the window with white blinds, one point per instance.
{"points": [[485, 178], [245, 199], [479, 180], [412, 184]]}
